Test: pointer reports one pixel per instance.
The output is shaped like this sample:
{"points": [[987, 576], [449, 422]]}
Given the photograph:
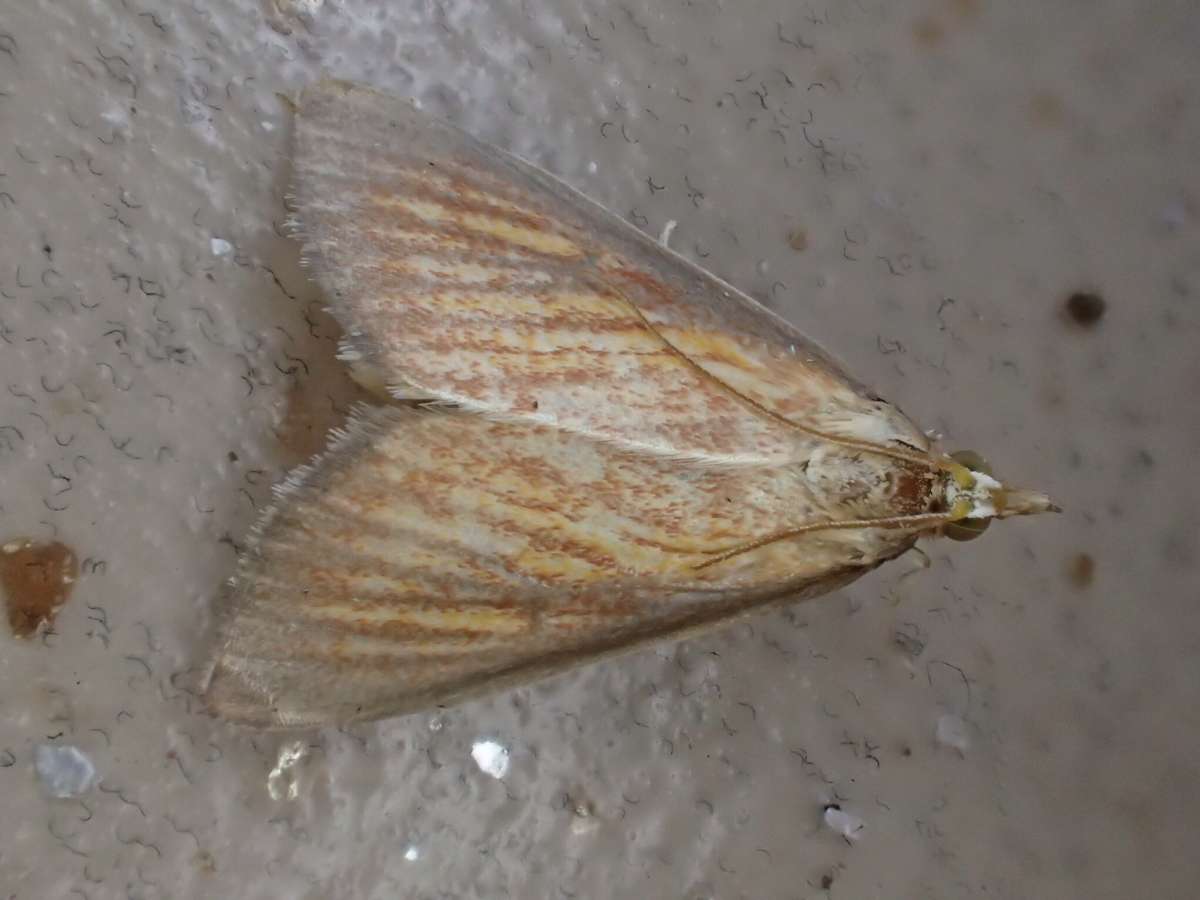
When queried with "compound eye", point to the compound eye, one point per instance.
{"points": [[972, 461], [966, 529]]}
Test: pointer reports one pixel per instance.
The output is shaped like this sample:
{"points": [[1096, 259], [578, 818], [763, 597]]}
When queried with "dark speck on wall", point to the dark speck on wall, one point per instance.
{"points": [[1081, 570], [1085, 308], [928, 32]]}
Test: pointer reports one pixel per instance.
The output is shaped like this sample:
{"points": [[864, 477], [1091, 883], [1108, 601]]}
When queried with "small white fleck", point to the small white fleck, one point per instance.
{"points": [[281, 782], [65, 771], [952, 732], [115, 115], [848, 826], [884, 200], [583, 827], [665, 237], [491, 757], [220, 247], [583, 821], [592, 167], [267, 126], [412, 853]]}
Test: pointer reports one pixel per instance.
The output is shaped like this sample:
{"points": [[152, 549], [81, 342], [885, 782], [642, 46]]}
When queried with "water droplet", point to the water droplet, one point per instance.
{"points": [[65, 771]]}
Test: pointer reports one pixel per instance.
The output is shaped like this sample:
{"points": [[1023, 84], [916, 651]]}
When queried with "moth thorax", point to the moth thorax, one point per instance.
{"points": [[852, 483]]}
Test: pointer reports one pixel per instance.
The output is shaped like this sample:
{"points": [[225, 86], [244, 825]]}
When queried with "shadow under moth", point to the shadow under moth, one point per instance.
{"points": [[584, 442]]}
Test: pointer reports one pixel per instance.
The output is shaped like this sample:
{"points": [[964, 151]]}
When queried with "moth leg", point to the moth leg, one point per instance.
{"points": [[409, 394], [372, 378], [368, 377], [919, 560]]}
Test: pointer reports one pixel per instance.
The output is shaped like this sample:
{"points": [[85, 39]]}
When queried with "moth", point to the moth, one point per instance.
{"points": [[585, 443]]}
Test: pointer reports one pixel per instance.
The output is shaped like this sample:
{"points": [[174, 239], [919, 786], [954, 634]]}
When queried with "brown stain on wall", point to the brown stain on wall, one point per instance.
{"points": [[304, 429], [37, 580]]}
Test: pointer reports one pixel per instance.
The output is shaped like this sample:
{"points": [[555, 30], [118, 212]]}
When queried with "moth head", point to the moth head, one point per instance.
{"points": [[974, 497]]}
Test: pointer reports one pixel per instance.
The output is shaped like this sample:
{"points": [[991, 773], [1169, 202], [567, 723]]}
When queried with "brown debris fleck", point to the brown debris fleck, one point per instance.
{"points": [[1081, 571], [965, 9], [798, 240], [1046, 109], [37, 580], [928, 31]]}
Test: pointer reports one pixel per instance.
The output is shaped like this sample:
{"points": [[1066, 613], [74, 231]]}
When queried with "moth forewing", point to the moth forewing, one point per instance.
{"points": [[620, 447], [479, 278]]}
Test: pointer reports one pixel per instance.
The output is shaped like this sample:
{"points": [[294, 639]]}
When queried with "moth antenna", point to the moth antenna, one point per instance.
{"points": [[758, 408], [923, 520], [1018, 503]]}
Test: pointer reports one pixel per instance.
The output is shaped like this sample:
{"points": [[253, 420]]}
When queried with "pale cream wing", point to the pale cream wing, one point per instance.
{"points": [[432, 556], [463, 273]]}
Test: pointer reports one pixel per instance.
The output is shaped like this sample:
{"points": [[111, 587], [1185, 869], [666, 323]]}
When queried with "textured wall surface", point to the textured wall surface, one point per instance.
{"points": [[918, 185]]}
